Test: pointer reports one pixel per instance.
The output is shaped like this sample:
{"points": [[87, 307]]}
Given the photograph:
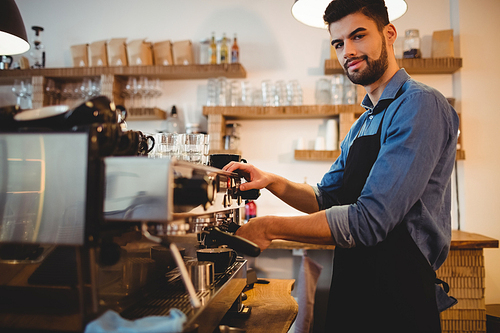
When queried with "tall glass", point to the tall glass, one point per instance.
{"points": [[193, 147]]}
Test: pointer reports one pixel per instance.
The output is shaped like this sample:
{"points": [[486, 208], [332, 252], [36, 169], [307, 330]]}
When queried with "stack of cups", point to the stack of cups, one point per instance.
{"points": [[323, 91], [212, 92], [246, 93], [332, 135], [350, 94], [222, 91], [268, 93], [281, 97], [294, 93], [235, 93]]}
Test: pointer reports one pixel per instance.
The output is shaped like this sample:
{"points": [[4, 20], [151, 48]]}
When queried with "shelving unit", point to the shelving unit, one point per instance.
{"points": [[218, 115], [113, 79], [347, 114]]}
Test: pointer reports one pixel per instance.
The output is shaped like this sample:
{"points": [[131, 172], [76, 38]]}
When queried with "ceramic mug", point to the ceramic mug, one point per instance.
{"points": [[220, 160]]}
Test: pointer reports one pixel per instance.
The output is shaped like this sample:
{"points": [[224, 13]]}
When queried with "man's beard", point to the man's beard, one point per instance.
{"points": [[373, 71]]}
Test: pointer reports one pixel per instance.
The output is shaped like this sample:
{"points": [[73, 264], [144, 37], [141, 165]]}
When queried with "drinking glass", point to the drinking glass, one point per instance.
{"points": [[222, 91], [350, 94], [337, 92], [268, 93], [235, 93], [194, 147], [294, 93], [206, 149], [167, 145], [323, 91], [280, 97], [212, 92], [246, 93]]}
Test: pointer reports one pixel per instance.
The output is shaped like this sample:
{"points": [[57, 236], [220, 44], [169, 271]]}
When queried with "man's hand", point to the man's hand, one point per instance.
{"points": [[255, 231], [256, 178]]}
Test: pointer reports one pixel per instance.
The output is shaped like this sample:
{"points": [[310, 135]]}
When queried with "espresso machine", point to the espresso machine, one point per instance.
{"points": [[87, 226]]}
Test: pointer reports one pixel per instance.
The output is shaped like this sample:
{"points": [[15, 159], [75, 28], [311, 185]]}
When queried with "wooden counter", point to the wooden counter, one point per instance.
{"points": [[463, 270], [459, 240], [273, 308]]}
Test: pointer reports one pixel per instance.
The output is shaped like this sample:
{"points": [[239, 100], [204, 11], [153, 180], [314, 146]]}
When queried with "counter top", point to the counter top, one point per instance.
{"points": [[273, 309], [459, 240]]}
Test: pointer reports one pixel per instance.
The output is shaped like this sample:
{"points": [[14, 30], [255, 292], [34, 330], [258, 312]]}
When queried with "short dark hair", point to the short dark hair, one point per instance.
{"points": [[373, 9]]}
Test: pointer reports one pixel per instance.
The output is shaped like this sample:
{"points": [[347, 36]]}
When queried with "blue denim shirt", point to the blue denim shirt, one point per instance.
{"points": [[411, 178]]}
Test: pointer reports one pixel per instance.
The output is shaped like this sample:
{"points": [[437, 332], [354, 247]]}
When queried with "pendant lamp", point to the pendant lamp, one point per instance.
{"points": [[13, 38], [310, 12]]}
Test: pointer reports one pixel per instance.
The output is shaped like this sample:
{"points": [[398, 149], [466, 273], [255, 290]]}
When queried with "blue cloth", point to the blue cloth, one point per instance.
{"points": [[111, 322], [411, 178]]}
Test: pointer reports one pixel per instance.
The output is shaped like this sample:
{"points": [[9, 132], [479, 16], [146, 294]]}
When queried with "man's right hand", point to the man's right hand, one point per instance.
{"points": [[256, 178]]}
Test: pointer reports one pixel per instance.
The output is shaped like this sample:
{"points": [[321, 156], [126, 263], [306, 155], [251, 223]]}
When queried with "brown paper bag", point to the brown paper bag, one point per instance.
{"points": [[98, 55], [182, 53], [117, 52], [139, 53], [442, 44], [80, 55], [163, 53], [333, 53]]}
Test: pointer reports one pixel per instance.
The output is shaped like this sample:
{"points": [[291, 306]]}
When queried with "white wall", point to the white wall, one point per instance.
{"points": [[275, 46]]}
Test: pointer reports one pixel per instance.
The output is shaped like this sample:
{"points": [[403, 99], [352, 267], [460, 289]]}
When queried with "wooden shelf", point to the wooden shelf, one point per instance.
{"points": [[316, 155], [146, 114], [172, 72], [279, 112], [331, 155], [412, 66]]}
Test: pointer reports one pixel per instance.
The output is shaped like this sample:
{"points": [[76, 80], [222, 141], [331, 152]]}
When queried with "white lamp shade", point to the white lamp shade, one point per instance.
{"points": [[11, 44], [13, 39], [310, 12]]}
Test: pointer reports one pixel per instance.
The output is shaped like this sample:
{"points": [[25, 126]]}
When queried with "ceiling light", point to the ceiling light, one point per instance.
{"points": [[13, 38], [310, 12]]}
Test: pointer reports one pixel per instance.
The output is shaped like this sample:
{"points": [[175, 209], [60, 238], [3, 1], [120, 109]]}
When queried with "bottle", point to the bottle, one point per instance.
{"points": [[235, 51], [224, 56], [174, 124], [38, 52], [411, 45], [250, 209], [212, 51]]}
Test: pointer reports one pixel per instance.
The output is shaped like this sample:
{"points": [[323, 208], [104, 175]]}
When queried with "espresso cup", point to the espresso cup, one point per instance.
{"points": [[220, 160], [221, 257], [164, 259]]}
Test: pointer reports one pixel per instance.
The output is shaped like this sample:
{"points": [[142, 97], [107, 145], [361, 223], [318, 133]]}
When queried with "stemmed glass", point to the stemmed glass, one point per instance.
{"points": [[156, 91], [131, 90], [20, 90], [52, 91]]}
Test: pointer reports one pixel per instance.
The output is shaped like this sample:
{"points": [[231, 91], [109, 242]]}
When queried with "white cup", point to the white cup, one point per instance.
{"points": [[319, 144]]}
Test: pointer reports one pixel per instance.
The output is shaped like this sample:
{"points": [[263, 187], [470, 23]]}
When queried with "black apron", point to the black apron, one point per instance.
{"points": [[389, 287]]}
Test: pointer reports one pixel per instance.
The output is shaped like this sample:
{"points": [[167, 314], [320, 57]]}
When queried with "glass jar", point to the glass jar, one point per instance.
{"points": [[411, 45]]}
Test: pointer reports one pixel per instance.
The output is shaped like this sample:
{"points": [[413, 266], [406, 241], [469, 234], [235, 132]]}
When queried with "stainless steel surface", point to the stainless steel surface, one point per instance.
{"points": [[42, 195], [201, 274]]}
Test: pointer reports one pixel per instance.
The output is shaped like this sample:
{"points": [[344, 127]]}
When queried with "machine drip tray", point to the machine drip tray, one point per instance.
{"points": [[215, 302]]}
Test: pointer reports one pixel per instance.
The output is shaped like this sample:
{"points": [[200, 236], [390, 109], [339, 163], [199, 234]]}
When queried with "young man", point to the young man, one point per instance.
{"points": [[385, 202]]}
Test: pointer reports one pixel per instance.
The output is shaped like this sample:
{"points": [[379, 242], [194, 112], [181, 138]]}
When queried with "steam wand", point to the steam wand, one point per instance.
{"points": [[195, 302]]}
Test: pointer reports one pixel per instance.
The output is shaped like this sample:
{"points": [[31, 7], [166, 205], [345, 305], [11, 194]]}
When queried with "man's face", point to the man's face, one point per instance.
{"points": [[361, 48]]}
